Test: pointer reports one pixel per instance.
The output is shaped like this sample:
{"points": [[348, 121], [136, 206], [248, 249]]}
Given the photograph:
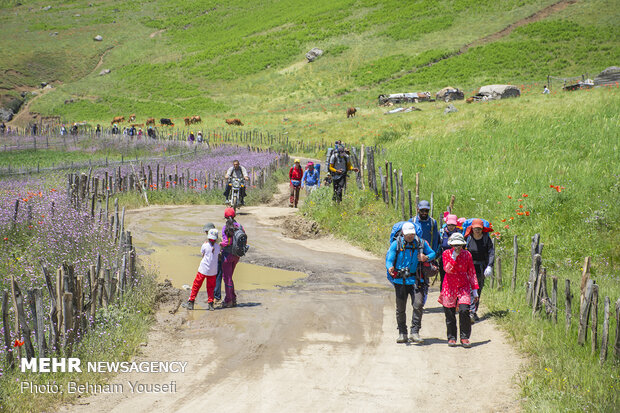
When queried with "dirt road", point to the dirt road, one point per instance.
{"points": [[324, 343]]}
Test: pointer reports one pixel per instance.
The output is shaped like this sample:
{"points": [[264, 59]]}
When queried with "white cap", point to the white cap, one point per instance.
{"points": [[408, 228], [213, 233]]}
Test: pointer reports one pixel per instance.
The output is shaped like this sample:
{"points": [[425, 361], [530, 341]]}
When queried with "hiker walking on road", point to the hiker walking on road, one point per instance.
{"points": [[229, 260], [446, 232], [459, 286], [339, 165], [295, 175], [401, 262], [430, 234], [480, 246], [208, 269], [311, 179]]}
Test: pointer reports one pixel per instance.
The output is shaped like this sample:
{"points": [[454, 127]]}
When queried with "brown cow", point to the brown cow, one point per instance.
{"points": [[234, 122], [469, 100], [150, 121], [187, 120], [196, 119], [351, 112], [132, 117], [117, 119]]}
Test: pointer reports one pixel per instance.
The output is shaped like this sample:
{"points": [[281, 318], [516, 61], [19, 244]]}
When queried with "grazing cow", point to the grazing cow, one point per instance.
{"points": [[234, 122], [187, 120], [150, 121], [165, 121], [132, 117], [469, 100], [351, 112], [196, 119], [117, 119]]}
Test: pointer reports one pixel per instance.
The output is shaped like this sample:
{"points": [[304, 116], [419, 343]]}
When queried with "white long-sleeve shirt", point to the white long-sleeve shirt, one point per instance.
{"points": [[208, 264]]}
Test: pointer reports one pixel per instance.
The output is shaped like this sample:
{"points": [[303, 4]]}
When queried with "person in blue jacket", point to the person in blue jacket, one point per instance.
{"points": [[311, 179], [401, 262], [428, 224]]}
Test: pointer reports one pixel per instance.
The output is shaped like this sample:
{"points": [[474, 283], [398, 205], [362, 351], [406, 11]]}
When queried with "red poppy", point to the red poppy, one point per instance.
{"points": [[525, 195], [504, 220], [512, 217], [18, 343], [527, 213], [520, 206], [519, 200], [509, 197], [519, 213], [6, 239], [507, 226]]}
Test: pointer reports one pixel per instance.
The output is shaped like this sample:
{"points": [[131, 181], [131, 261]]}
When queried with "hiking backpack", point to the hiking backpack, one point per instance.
{"points": [[397, 235], [239, 242]]}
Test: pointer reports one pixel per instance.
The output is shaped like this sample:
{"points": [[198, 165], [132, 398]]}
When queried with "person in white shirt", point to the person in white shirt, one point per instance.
{"points": [[208, 269]]}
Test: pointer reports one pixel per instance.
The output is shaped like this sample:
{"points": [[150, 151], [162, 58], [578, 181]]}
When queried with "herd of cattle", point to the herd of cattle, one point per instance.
{"points": [[189, 120]]}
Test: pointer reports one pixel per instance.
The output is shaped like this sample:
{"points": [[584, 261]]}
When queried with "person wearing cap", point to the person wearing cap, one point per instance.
{"points": [[401, 260], [459, 289], [236, 171], [450, 228], [229, 260], [480, 245], [295, 174], [311, 179], [430, 233], [217, 292], [207, 269], [199, 136], [339, 165]]}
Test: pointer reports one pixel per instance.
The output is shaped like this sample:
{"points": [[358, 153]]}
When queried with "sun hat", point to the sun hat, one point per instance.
{"points": [[297, 160], [451, 220], [408, 228], [424, 205], [212, 234], [229, 213], [208, 226], [477, 223], [456, 239], [310, 163]]}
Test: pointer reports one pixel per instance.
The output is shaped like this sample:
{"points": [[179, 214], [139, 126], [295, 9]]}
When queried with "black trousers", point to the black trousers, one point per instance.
{"points": [[338, 184], [480, 277], [464, 321], [417, 302]]}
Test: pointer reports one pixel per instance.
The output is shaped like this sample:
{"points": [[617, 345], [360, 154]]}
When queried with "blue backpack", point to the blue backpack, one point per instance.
{"points": [[397, 230], [468, 222]]}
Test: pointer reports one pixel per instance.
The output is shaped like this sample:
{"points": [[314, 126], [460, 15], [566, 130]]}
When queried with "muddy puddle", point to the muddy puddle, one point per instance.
{"points": [[168, 241]]}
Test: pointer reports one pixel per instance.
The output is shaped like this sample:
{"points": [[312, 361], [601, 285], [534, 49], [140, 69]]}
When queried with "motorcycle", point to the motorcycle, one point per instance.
{"points": [[234, 198]]}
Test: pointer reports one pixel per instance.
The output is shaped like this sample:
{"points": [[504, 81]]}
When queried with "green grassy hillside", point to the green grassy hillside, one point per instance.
{"points": [[178, 58]]}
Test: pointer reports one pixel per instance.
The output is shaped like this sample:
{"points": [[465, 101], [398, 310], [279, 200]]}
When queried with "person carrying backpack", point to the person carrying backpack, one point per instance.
{"points": [[430, 234], [450, 228], [311, 179], [339, 165], [233, 246], [480, 245], [401, 261], [295, 175], [460, 289]]}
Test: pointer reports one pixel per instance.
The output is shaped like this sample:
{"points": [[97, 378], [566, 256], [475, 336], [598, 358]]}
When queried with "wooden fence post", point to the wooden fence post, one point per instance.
{"points": [[605, 336], [67, 308], [584, 314], [410, 205], [499, 273], [534, 275], [515, 245], [617, 345], [568, 305], [585, 276], [554, 300], [23, 322], [53, 309], [594, 311], [7, 330], [40, 332]]}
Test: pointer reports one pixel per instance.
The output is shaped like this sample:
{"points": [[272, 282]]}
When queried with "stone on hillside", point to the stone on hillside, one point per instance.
{"points": [[98, 38], [313, 54], [33, 93], [43, 84], [450, 109], [6, 114], [54, 34], [104, 72], [48, 87], [46, 8]]}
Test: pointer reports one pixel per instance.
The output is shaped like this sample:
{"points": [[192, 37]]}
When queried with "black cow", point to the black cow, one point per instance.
{"points": [[165, 121]]}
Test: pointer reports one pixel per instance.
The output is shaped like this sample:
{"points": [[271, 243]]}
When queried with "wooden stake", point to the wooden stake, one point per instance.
{"points": [[7, 330], [594, 311], [585, 276], [513, 284], [568, 305], [605, 336], [584, 313]]}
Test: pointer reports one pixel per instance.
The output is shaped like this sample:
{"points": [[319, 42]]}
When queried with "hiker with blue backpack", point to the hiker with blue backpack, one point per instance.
{"points": [[406, 251], [234, 245], [480, 245], [430, 234], [451, 227]]}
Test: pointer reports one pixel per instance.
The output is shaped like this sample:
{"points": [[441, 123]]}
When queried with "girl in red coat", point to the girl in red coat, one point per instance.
{"points": [[295, 175], [459, 285]]}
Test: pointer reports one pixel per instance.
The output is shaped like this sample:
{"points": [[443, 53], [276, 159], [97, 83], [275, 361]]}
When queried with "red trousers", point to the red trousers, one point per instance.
{"points": [[198, 283]]}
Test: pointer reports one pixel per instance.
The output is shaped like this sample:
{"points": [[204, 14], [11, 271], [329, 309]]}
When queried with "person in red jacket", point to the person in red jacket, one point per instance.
{"points": [[295, 175]]}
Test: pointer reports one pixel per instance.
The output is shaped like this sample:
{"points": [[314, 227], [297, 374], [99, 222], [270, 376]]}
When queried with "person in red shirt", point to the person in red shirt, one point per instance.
{"points": [[295, 175], [459, 285]]}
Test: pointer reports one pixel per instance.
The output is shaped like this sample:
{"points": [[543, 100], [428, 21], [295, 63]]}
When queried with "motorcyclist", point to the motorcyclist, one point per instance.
{"points": [[236, 171]]}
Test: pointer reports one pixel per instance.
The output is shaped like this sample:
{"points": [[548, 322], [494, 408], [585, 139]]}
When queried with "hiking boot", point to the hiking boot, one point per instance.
{"points": [[190, 305], [451, 343], [211, 306], [476, 318], [227, 304], [402, 338], [234, 303], [465, 342], [415, 338]]}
